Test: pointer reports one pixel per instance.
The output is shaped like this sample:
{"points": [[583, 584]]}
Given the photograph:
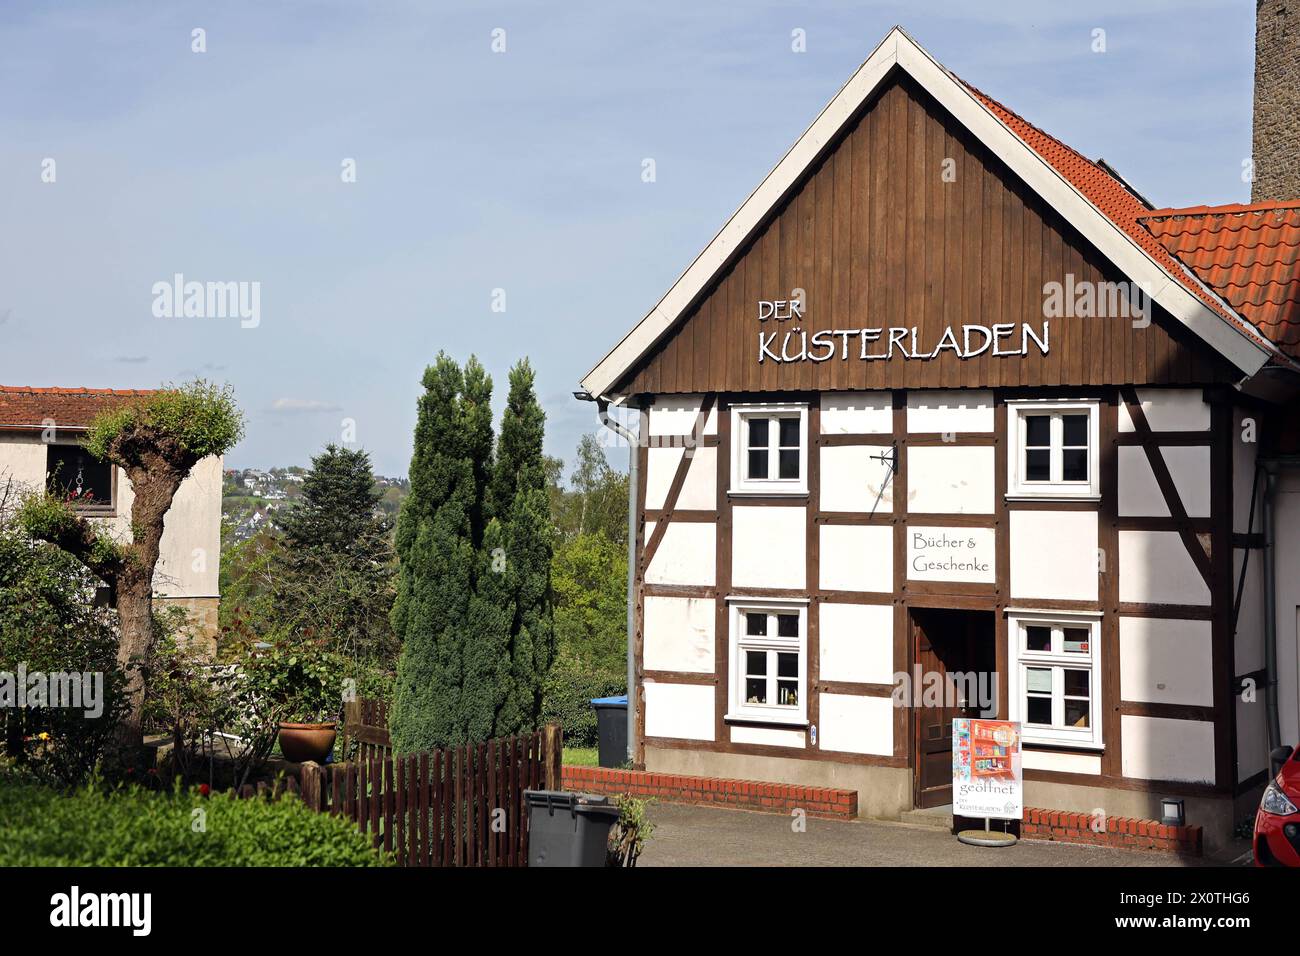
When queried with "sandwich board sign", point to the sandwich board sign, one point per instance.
{"points": [[986, 772]]}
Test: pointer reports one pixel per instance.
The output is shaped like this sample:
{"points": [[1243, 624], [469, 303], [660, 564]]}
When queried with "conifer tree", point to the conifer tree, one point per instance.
{"points": [[439, 529], [520, 503]]}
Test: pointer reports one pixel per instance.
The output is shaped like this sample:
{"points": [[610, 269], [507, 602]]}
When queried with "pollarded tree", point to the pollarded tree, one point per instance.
{"points": [[157, 441]]}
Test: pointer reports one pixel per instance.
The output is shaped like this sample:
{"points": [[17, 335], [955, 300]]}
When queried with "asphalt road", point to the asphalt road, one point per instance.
{"points": [[704, 836]]}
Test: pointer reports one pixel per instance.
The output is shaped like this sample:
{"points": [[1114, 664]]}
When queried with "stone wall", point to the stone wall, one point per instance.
{"points": [[1276, 134]]}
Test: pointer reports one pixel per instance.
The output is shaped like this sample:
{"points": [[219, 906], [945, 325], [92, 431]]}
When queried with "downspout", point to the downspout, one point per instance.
{"points": [[619, 429]]}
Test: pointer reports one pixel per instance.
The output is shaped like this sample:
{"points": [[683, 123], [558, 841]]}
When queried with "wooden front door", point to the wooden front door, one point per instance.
{"points": [[945, 642]]}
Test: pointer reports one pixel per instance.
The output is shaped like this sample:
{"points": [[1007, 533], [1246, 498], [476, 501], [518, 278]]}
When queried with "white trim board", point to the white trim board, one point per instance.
{"points": [[1245, 351]]}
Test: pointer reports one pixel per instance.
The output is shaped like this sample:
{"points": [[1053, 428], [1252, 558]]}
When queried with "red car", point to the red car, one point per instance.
{"points": [[1277, 822]]}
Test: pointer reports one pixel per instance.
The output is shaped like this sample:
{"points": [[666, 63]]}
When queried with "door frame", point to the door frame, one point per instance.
{"points": [[913, 723]]}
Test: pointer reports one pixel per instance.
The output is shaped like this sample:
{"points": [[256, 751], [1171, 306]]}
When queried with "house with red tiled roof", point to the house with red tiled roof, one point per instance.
{"points": [[949, 436], [40, 447]]}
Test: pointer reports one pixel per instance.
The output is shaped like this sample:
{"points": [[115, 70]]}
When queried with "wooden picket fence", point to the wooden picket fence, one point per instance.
{"points": [[463, 806], [365, 729]]}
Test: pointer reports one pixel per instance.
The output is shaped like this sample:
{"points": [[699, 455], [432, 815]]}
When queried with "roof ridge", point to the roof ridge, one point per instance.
{"points": [[1038, 129], [1223, 210], [74, 390]]}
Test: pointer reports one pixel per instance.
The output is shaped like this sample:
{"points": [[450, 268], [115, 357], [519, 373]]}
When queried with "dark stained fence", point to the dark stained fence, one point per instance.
{"points": [[463, 806], [365, 730]]}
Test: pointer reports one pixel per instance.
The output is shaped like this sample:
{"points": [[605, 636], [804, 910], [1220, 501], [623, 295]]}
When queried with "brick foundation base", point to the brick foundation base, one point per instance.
{"points": [[714, 792], [1122, 833]]}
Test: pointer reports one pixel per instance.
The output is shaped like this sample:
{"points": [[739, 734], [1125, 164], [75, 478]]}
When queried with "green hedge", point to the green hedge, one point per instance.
{"points": [[570, 687], [40, 826]]}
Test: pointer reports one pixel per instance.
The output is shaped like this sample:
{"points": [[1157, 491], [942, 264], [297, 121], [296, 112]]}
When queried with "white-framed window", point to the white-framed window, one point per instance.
{"points": [[1052, 448], [1055, 680], [768, 672], [769, 449], [75, 475]]}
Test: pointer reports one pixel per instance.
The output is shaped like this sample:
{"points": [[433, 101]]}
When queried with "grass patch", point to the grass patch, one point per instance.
{"points": [[581, 757]]}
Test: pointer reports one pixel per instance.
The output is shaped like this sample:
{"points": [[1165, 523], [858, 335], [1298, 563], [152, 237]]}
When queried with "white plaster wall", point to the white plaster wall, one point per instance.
{"points": [[676, 415], [1060, 762], [856, 558], [190, 552], [1054, 555], [686, 555], [768, 736], [699, 490], [976, 548], [684, 711], [1287, 580], [1243, 475], [950, 480], [851, 480], [767, 547], [1248, 644], [1189, 466], [1169, 410], [1252, 736], [1159, 748], [1165, 661], [858, 725], [857, 642], [1139, 495], [955, 411], [856, 413], [678, 634], [1155, 568]]}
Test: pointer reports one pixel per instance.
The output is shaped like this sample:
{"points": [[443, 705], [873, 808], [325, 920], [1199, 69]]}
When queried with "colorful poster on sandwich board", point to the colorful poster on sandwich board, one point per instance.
{"points": [[986, 773]]}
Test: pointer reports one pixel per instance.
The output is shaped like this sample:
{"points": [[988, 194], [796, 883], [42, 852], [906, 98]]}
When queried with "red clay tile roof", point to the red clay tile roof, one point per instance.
{"points": [[24, 407], [1249, 254], [1119, 204]]}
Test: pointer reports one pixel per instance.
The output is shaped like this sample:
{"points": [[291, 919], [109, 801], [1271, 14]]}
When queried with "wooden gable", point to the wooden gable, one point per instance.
{"points": [[908, 221]]}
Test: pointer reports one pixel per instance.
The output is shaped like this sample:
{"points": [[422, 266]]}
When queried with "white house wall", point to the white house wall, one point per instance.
{"points": [[854, 478], [1170, 410], [948, 479], [767, 549], [859, 725], [856, 558], [677, 415], [950, 412], [1054, 555], [1155, 568], [856, 413], [1160, 748], [686, 554], [190, 552], [700, 488], [684, 711], [1287, 580], [1166, 661], [679, 634], [857, 642]]}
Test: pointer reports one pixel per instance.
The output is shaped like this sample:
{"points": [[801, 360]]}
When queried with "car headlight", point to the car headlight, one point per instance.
{"points": [[1276, 802]]}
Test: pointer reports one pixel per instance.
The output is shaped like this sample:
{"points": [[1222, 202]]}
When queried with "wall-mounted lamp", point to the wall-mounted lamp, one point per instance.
{"points": [[1172, 812]]}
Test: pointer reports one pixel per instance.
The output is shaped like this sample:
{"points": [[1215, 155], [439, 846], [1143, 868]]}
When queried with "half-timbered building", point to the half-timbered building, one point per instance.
{"points": [[944, 397]]}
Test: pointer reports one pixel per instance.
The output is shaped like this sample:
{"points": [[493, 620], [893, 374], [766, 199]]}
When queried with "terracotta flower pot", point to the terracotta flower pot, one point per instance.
{"points": [[303, 742]]}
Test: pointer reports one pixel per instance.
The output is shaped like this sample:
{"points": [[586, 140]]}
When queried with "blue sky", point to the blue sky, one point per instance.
{"points": [[479, 171]]}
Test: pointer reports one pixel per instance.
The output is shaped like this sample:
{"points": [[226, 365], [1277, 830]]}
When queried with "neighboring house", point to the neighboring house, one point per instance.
{"points": [[40, 434], [883, 434]]}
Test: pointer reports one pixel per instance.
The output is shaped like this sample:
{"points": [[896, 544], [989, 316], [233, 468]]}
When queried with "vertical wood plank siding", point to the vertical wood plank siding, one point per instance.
{"points": [[876, 237]]}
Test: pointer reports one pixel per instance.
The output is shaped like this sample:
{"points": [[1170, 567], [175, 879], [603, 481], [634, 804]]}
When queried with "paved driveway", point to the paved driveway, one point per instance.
{"points": [[703, 836]]}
